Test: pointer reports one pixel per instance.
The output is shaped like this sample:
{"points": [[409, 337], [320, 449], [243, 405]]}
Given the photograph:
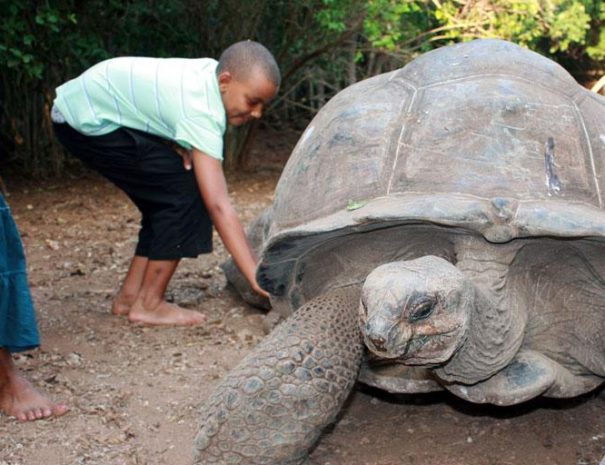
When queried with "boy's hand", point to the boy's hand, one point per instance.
{"points": [[183, 153], [213, 187], [260, 291]]}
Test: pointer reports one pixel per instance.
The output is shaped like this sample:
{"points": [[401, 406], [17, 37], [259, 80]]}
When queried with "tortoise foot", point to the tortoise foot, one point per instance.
{"points": [[528, 375], [272, 407]]}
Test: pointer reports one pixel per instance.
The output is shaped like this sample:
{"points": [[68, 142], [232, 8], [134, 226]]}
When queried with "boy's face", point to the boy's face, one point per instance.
{"points": [[245, 100]]}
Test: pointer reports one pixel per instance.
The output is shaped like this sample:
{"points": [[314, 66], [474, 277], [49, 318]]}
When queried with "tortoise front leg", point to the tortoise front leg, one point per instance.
{"points": [[528, 375], [272, 407]]}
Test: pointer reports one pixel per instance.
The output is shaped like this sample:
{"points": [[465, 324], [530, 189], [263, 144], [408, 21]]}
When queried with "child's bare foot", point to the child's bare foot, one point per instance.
{"points": [[164, 314], [19, 399], [122, 304]]}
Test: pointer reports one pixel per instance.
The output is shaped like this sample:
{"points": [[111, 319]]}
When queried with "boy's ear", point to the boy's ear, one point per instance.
{"points": [[224, 78]]}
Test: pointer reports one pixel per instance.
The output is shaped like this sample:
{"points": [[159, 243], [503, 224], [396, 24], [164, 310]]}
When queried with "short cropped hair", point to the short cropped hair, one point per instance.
{"points": [[240, 58]]}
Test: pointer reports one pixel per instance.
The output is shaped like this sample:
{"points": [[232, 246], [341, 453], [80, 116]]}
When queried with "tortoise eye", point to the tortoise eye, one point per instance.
{"points": [[421, 310]]}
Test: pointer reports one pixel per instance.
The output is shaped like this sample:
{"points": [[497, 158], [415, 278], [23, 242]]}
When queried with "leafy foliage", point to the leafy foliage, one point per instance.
{"points": [[321, 45], [395, 25], [550, 26]]}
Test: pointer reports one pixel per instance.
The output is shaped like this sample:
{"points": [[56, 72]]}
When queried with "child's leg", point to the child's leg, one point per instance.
{"points": [[130, 287], [175, 223], [150, 306], [18, 329], [18, 398]]}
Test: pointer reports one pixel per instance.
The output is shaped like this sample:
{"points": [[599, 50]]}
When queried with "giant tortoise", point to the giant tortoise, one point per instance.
{"points": [[436, 227]]}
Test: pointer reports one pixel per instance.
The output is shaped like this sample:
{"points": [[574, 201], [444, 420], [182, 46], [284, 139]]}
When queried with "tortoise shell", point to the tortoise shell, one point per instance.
{"points": [[485, 136]]}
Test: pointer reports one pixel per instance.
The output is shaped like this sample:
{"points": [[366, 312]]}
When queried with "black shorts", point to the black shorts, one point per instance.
{"points": [[175, 222]]}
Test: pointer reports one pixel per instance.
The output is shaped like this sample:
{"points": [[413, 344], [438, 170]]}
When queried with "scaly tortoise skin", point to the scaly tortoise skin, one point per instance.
{"points": [[437, 227]]}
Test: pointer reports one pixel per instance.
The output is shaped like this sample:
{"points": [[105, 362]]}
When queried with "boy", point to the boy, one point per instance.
{"points": [[117, 116], [18, 329]]}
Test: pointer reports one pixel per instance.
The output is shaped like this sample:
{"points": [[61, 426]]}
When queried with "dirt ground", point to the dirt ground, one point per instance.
{"points": [[134, 392]]}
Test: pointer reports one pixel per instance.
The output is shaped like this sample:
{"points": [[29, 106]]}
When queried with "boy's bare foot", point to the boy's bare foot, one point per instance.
{"points": [[164, 314], [121, 305], [19, 399]]}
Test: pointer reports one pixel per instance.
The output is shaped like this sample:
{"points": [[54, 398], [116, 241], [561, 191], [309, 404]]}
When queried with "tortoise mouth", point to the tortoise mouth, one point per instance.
{"points": [[399, 351], [412, 349]]}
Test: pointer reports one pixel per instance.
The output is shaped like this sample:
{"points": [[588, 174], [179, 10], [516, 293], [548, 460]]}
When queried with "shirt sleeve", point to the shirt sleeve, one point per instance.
{"points": [[202, 133]]}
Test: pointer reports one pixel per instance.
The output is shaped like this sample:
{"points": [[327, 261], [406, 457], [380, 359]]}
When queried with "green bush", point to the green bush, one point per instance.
{"points": [[321, 45]]}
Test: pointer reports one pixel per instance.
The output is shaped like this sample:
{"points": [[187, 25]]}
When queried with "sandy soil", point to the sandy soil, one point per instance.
{"points": [[134, 392]]}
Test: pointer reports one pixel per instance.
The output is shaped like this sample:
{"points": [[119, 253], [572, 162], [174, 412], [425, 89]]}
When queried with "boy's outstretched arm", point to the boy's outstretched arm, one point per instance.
{"points": [[212, 185]]}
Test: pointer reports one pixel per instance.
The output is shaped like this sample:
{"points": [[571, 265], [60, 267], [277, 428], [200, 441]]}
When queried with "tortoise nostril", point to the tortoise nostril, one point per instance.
{"points": [[376, 332], [378, 342]]}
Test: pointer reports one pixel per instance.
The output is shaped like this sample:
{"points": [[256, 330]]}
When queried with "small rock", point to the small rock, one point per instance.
{"points": [[73, 359], [53, 245], [245, 335]]}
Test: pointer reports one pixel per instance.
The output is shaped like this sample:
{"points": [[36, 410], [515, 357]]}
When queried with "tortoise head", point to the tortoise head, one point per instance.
{"points": [[416, 311]]}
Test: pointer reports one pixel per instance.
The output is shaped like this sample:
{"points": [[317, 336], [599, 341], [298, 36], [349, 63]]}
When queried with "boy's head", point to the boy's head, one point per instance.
{"points": [[248, 79]]}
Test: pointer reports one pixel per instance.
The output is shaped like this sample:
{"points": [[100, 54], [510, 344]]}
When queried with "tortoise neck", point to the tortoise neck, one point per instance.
{"points": [[495, 329]]}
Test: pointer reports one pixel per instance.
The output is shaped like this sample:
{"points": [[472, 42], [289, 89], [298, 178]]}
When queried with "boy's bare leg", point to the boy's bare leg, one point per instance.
{"points": [[151, 308], [18, 398], [130, 287]]}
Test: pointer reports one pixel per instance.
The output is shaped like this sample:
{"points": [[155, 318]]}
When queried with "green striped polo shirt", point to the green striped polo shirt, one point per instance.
{"points": [[174, 98]]}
